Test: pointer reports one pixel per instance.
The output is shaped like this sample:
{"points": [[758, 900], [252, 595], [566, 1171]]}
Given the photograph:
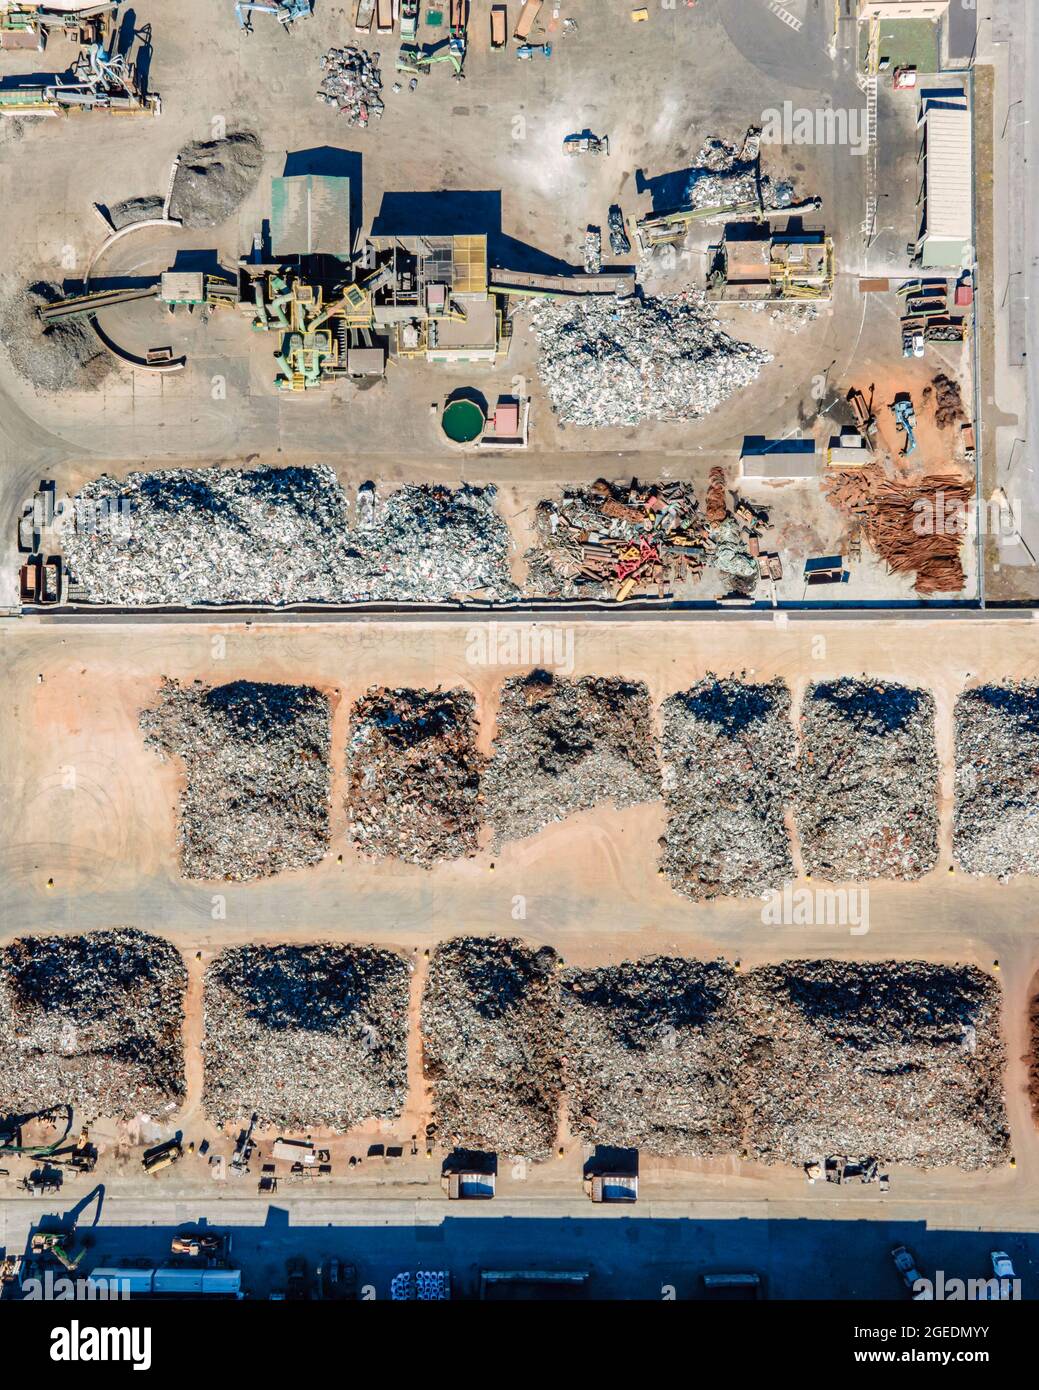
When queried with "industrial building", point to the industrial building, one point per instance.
{"points": [[946, 180]]}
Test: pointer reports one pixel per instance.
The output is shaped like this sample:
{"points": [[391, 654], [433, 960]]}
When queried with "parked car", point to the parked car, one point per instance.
{"points": [[911, 1276]]}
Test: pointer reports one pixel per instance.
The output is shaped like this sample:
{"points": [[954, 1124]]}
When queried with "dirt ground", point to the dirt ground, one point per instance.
{"points": [[92, 812]]}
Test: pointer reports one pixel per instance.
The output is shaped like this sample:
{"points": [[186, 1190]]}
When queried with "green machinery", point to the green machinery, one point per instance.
{"points": [[99, 80], [11, 1132], [314, 333], [417, 62]]}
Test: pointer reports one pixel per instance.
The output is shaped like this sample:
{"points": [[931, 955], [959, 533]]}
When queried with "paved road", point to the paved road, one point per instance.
{"points": [[665, 1246]]}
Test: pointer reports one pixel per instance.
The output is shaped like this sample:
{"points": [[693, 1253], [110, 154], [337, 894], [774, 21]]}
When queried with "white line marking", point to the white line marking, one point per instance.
{"points": [[785, 15]]}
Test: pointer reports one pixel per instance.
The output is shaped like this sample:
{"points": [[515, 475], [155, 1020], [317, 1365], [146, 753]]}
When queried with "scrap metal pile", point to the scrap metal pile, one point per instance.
{"points": [[996, 818], [618, 541], [306, 1035], [867, 790], [491, 1045], [897, 1061], [65, 356], [214, 177], [728, 759], [893, 515], [564, 746], [352, 83], [723, 174], [257, 775], [188, 537], [92, 1021], [652, 1056], [414, 775], [623, 361]]}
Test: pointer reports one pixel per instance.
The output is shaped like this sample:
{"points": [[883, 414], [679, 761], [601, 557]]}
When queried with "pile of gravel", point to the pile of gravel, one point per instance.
{"points": [[131, 210], [414, 775], [900, 1061], [257, 775], [306, 1036], [491, 1045], [91, 1021], [607, 362], [996, 820], [60, 357], [652, 1056], [189, 537], [215, 177], [867, 797], [728, 761], [564, 746]]}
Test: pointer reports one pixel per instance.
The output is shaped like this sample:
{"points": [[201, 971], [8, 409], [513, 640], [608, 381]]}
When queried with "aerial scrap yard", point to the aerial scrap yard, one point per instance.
{"points": [[305, 1037], [256, 788]]}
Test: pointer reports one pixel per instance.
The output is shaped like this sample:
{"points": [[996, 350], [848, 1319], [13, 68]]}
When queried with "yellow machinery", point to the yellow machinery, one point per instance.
{"points": [[315, 335]]}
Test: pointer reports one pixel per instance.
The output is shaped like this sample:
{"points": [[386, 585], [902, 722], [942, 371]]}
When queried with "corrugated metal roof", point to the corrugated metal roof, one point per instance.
{"points": [[310, 215], [948, 174]]}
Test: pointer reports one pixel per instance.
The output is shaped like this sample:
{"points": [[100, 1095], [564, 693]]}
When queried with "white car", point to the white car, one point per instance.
{"points": [[1001, 1265]]}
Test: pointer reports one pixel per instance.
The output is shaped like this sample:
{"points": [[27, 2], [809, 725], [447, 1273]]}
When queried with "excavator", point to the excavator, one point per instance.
{"points": [[416, 62], [11, 1132]]}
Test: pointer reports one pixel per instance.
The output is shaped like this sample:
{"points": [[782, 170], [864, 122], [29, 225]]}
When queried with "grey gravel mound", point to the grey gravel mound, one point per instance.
{"points": [[996, 819], [91, 1021], [728, 759], [901, 1061], [491, 1045], [564, 746], [215, 177], [257, 773], [61, 357], [131, 210], [652, 1051], [867, 802], [306, 1036]]}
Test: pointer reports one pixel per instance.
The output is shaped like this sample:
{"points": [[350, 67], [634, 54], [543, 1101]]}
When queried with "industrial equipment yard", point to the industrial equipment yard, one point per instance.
{"points": [[521, 697]]}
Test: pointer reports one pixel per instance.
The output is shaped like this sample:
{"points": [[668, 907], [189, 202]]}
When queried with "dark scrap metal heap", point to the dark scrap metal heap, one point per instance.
{"points": [[306, 1035], [728, 757], [414, 775], [900, 1061], [652, 1055], [491, 1045], [564, 746], [92, 1021], [867, 803], [996, 819], [257, 772]]}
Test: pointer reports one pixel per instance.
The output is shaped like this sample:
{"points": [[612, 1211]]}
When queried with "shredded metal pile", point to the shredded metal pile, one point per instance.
{"points": [[899, 1061], [414, 775], [617, 541], [92, 1021], [189, 537], [306, 1036], [996, 820], [867, 793], [214, 177], [491, 1045], [564, 746], [652, 1056], [352, 83], [257, 775], [728, 760], [620, 362], [57, 357]]}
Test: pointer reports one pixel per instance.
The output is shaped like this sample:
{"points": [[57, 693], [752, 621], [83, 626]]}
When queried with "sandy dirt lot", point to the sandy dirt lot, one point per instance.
{"points": [[92, 819]]}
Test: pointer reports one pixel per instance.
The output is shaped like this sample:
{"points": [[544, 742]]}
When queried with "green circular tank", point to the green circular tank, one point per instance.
{"points": [[462, 421]]}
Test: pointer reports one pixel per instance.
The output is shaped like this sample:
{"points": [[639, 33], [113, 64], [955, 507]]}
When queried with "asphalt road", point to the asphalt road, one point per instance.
{"points": [[661, 1252]]}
